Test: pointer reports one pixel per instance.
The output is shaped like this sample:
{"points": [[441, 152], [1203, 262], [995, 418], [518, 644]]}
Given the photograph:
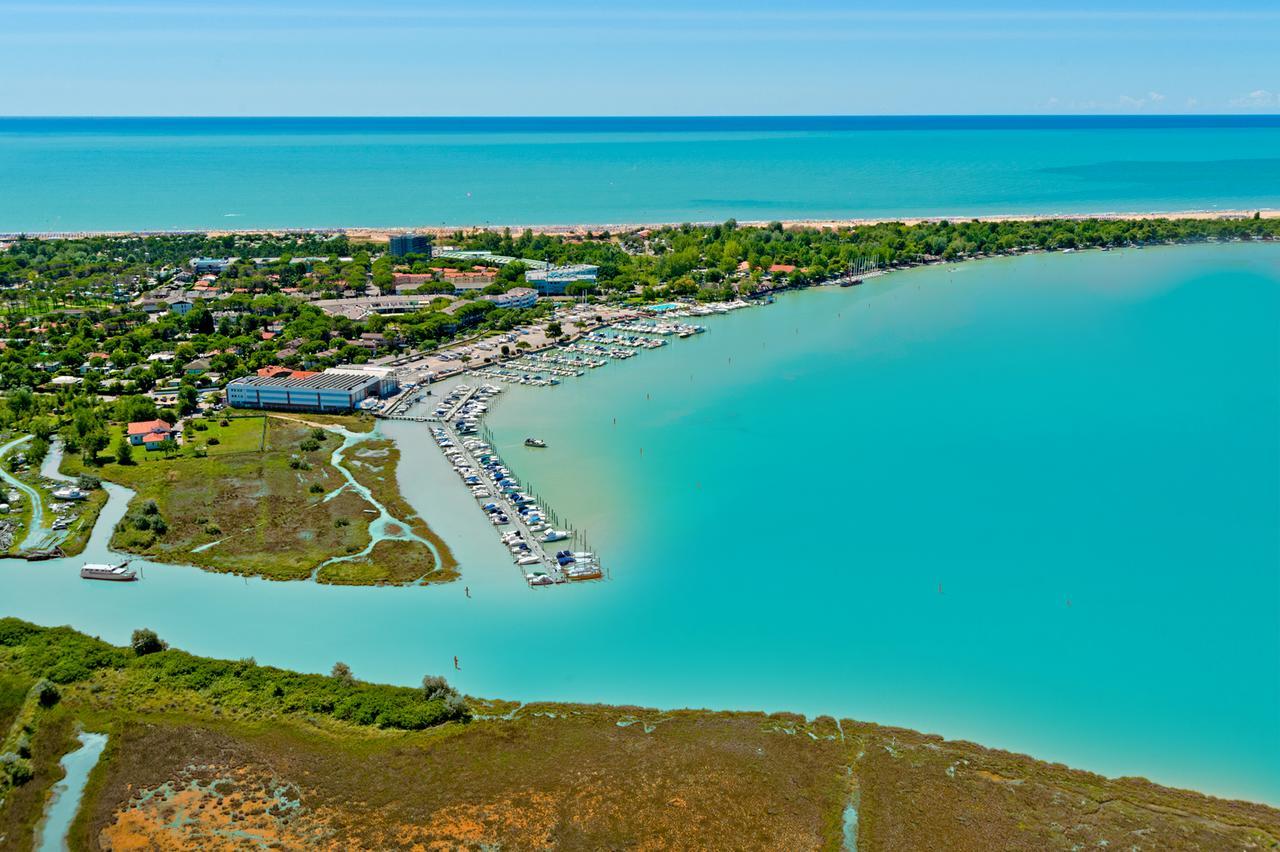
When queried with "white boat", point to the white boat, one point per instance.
{"points": [[94, 571], [528, 560], [70, 493], [555, 535]]}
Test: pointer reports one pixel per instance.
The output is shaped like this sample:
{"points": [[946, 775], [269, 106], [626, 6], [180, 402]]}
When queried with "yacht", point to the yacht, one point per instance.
{"points": [[555, 535], [534, 442], [121, 572]]}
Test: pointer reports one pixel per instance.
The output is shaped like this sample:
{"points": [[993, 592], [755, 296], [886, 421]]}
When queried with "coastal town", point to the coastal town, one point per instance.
{"points": [[119, 350]]}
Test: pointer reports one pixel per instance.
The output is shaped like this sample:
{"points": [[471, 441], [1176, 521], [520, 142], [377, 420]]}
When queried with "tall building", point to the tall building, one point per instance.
{"points": [[403, 244]]}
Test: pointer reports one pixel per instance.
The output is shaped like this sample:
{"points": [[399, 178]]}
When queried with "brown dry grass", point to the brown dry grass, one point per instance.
{"points": [[572, 777]]}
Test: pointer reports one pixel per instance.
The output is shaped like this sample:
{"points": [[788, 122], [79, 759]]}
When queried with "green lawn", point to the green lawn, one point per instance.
{"points": [[255, 505]]}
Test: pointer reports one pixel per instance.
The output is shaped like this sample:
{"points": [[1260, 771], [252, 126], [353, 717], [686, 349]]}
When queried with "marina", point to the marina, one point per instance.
{"points": [[526, 530], [545, 551], [996, 657]]}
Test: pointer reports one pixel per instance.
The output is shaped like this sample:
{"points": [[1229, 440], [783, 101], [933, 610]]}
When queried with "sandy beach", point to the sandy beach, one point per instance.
{"points": [[361, 232]]}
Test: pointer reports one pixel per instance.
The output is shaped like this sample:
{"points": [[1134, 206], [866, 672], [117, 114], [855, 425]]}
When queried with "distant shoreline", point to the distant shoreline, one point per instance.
{"points": [[382, 233]]}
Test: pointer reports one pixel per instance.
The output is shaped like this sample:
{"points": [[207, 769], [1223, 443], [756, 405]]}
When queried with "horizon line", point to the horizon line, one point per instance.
{"points": [[1034, 115]]}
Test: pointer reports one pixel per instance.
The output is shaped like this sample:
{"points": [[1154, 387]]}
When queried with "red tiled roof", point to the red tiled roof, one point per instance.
{"points": [[149, 427]]}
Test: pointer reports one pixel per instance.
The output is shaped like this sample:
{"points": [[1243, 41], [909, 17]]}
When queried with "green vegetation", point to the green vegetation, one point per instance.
{"points": [[74, 520], [311, 761], [374, 463], [73, 308], [718, 261], [247, 495], [149, 674]]}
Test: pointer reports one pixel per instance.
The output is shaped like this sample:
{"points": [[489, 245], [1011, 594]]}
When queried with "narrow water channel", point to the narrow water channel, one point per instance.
{"points": [[36, 531], [60, 811]]}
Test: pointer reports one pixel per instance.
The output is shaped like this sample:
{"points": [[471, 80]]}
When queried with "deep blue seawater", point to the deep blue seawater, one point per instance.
{"points": [[149, 174], [1030, 502]]}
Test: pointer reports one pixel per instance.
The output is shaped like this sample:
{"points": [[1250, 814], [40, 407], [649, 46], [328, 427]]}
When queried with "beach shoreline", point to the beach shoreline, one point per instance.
{"points": [[372, 233]]}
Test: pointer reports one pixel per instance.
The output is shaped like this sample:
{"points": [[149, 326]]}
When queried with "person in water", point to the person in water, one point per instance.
{"points": [[467, 589], [455, 662]]}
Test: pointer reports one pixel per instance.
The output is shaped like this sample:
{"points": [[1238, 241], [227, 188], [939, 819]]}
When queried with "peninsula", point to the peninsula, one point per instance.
{"points": [[179, 365]]}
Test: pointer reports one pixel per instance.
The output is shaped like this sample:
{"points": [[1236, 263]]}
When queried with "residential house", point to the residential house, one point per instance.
{"points": [[151, 433]]}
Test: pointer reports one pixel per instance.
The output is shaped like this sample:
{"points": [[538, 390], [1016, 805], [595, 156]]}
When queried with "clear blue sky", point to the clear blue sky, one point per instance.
{"points": [[657, 57]]}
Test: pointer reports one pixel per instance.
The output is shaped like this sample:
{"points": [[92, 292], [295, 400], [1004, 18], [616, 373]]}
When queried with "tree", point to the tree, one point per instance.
{"points": [[124, 452], [146, 641], [21, 402], [91, 443], [188, 400], [554, 329], [342, 672], [435, 686]]}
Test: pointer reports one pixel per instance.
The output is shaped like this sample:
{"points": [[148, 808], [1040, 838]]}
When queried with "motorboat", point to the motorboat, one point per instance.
{"points": [[70, 493], [555, 535], [118, 573], [534, 442]]}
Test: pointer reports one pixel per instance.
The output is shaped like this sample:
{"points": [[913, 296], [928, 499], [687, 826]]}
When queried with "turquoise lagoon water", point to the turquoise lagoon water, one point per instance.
{"points": [[133, 174], [1030, 502]]}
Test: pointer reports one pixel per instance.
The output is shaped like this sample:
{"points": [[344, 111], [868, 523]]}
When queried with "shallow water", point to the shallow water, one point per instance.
{"points": [[60, 811], [1029, 502]]}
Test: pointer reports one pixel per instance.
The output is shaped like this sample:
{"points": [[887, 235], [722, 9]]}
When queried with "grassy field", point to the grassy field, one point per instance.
{"points": [[247, 495], [209, 754], [374, 463], [390, 561]]}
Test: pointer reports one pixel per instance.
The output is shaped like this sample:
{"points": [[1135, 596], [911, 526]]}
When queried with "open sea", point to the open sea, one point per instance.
{"points": [[75, 174], [1031, 502]]}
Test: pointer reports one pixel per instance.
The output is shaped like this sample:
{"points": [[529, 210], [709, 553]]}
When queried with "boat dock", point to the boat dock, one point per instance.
{"points": [[545, 551], [544, 555]]}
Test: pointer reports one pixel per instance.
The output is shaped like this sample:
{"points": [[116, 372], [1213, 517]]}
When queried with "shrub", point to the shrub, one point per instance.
{"points": [[309, 445], [435, 686], [213, 442], [316, 488], [68, 670], [46, 693], [18, 769], [146, 642], [455, 707]]}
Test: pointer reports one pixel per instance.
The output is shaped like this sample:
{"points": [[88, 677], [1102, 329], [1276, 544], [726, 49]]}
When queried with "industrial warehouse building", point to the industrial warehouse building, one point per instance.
{"points": [[552, 281], [337, 389]]}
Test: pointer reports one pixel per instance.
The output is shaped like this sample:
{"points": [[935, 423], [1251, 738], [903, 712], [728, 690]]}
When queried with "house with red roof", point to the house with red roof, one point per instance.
{"points": [[151, 433]]}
